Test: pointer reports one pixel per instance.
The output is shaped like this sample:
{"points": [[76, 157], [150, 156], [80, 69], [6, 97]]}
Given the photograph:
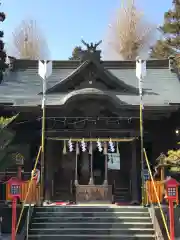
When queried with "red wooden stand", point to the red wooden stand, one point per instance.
{"points": [[14, 192], [14, 205], [172, 196], [171, 219]]}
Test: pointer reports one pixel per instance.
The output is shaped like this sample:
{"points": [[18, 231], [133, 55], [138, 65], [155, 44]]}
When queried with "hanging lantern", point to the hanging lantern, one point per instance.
{"points": [[83, 145], [70, 145], [111, 146], [64, 148], [99, 145]]}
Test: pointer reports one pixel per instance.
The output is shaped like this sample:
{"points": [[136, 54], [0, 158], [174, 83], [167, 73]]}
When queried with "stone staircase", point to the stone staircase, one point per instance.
{"points": [[121, 195], [62, 194], [91, 222]]}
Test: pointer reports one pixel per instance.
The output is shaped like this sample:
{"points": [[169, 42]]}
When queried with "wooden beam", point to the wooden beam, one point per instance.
{"points": [[91, 133], [93, 139]]}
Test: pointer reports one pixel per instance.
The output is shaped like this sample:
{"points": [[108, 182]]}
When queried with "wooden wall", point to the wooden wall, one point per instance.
{"points": [[150, 195]]}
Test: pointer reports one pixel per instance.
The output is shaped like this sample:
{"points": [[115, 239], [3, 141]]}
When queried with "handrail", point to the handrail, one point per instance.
{"points": [[24, 232], [157, 197], [29, 187], [158, 232], [27, 223], [71, 187], [52, 187]]}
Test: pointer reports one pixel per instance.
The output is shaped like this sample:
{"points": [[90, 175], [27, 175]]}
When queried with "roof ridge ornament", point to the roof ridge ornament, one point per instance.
{"points": [[91, 47]]}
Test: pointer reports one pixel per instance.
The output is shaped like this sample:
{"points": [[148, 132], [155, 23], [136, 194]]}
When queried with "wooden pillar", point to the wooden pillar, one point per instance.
{"points": [[19, 172], [91, 180], [106, 165], [49, 160], [76, 165], [162, 169], [134, 180]]}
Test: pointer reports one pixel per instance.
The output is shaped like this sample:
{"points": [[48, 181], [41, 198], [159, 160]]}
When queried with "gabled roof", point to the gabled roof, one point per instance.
{"points": [[107, 77], [23, 85]]}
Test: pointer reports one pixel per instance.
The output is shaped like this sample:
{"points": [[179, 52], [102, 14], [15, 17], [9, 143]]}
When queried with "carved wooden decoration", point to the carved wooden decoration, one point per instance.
{"points": [[93, 193], [92, 47]]}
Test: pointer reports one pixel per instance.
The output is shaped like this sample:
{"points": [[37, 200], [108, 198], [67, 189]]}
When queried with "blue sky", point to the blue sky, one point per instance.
{"points": [[64, 22]]}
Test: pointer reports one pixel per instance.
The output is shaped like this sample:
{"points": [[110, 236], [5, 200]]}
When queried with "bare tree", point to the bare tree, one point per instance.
{"points": [[28, 42], [130, 33]]}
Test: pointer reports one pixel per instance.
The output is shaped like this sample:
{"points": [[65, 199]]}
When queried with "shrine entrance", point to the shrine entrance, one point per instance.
{"points": [[98, 167], [91, 184], [86, 173], [80, 176], [83, 144], [99, 164]]}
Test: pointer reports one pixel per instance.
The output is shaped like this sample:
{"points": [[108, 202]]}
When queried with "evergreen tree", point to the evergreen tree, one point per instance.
{"points": [[170, 43], [76, 53], [3, 64]]}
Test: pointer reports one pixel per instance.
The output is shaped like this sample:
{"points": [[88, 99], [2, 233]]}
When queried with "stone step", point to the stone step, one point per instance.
{"points": [[125, 194], [91, 219], [94, 208], [88, 222], [91, 237], [87, 231], [92, 225], [121, 199], [121, 195], [125, 190], [92, 214]]}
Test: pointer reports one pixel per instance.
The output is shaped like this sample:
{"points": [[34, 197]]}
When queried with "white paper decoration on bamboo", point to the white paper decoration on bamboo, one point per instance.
{"points": [[99, 145], [70, 145], [83, 145], [111, 146], [104, 147]]}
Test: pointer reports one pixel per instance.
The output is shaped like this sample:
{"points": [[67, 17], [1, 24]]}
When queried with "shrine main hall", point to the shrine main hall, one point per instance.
{"points": [[92, 133]]}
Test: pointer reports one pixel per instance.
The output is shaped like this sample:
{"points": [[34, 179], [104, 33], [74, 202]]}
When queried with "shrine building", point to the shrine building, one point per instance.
{"points": [[92, 125]]}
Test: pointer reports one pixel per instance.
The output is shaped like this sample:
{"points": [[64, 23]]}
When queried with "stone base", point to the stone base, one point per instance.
{"points": [[76, 182], [91, 181], [105, 183]]}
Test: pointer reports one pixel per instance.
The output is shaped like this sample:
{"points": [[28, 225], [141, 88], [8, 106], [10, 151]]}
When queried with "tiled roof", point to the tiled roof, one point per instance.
{"points": [[105, 74], [161, 85], [21, 86]]}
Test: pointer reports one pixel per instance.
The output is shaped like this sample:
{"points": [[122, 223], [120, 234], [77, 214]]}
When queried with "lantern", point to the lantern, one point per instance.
{"points": [[172, 190], [13, 188]]}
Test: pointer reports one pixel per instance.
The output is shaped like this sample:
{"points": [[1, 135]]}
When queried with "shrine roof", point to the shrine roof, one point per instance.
{"points": [[22, 85]]}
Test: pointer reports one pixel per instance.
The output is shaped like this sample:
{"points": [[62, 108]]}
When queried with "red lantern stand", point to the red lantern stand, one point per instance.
{"points": [[172, 196], [14, 193]]}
